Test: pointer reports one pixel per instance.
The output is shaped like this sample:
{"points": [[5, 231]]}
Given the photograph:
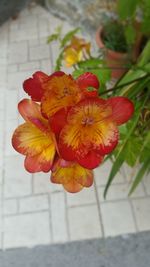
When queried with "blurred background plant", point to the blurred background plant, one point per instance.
{"points": [[76, 52]]}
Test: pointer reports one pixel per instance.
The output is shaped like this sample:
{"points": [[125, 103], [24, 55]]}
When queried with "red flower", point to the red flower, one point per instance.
{"points": [[34, 86], [91, 129]]}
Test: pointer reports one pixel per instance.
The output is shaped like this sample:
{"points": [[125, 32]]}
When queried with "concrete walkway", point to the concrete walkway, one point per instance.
{"points": [[132, 251], [32, 210]]}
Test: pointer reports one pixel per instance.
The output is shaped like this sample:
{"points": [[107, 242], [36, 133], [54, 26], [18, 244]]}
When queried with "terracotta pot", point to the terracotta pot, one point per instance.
{"points": [[114, 60]]}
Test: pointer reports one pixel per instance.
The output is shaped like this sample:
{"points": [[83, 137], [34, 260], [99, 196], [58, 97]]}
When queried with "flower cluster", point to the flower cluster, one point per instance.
{"points": [[68, 128], [77, 50]]}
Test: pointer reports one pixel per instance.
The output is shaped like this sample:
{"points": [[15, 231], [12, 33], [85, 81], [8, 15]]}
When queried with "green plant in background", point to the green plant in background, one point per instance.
{"points": [[134, 146], [114, 37], [135, 14]]}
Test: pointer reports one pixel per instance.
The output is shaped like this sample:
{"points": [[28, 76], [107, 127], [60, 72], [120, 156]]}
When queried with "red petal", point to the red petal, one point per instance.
{"points": [[56, 74], [33, 86], [91, 160], [58, 120], [66, 152], [88, 79], [122, 109]]}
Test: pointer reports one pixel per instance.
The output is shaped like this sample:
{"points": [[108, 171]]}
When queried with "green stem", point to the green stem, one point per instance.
{"points": [[122, 85]]}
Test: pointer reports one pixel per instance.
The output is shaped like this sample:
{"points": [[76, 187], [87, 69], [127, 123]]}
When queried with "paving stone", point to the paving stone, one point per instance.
{"points": [[10, 126], [58, 217], [117, 218], [11, 106], [33, 42], [84, 222], [42, 184], [15, 80], [142, 213], [146, 181], [26, 230], [34, 203], [18, 52], [1, 219], [46, 66], [101, 174], [39, 52], [12, 68], [86, 196], [32, 65], [10, 206], [43, 27], [120, 191], [17, 180]]}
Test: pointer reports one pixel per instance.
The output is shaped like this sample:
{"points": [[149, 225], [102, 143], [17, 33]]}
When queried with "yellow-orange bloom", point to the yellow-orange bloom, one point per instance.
{"points": [[34, 138], [76, 51], [71, 175]]}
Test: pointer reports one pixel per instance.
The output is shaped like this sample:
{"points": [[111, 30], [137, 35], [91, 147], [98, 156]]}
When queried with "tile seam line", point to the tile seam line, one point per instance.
{"points": [[99, 211]]}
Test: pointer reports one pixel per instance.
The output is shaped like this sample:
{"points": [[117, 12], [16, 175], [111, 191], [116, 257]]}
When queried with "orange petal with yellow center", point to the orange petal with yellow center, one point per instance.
{"points": [[35, 144], [89, 128], [62, 92]]}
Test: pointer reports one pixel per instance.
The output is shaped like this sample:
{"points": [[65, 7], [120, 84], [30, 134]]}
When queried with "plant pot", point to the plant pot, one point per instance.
{"points": [[116, 61]]}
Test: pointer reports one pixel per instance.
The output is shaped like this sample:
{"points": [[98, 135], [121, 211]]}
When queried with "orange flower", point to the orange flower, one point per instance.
{"points": [[76, 51], [34, 138], [91, 129], [71, 175], [61, 93]]}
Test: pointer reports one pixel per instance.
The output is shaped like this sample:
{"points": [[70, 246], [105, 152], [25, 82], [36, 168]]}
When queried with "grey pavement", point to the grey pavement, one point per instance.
{"points": [[125, 251]]}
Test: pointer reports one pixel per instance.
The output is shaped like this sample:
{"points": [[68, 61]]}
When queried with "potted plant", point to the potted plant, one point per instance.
{"points": [[122, 39], [111, 39]]}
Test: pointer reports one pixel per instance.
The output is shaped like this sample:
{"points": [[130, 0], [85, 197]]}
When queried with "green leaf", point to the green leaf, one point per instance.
{"points": [[90, 63], [126, 9], [140, 175], [145, 55], [130, 34], [52, 37], [68, 36], [102, 74], [59, 62], [132, 150], [122, 152], [76, 73]]}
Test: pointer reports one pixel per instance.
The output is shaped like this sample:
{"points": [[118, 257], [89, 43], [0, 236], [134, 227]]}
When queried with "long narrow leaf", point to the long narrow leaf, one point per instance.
{"points": [[139, 175], [68, 36], [120, 156]]}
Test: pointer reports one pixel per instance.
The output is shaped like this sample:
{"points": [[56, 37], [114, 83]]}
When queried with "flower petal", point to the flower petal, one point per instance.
{"points": [[88, 79], [33, 86], [58, 120], [72, 56], [91, 160], [38, 163], [122, 109], [30, 141], [73, 176], [73, 187], [89, 128], [83, 176], [30, 111], [60, 92]]}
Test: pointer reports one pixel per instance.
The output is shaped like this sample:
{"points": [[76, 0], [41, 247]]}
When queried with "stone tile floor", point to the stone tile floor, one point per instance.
{"points": [[33, 211]]}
